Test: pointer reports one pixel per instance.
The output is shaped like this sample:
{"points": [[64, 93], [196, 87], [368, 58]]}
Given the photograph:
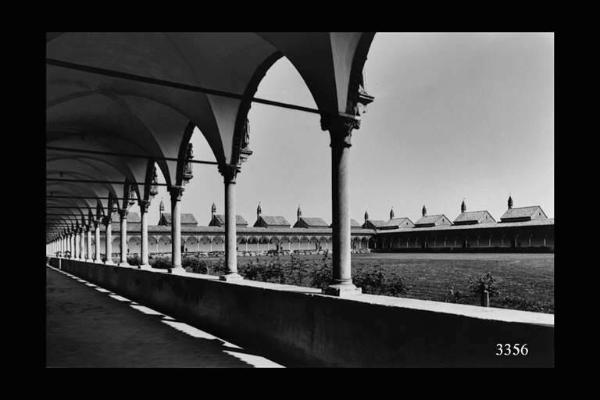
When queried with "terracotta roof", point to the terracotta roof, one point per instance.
{"points": [[374, 223], [429, 220], [220, 230], [474, 217], [270, 220], [186, 219], [523, 213], [219, 220], [399, 222], [308, 222], [491, 225]]}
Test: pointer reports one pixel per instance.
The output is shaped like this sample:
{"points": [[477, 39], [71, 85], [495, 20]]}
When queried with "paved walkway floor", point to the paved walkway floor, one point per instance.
{"points": [[88, 326]]}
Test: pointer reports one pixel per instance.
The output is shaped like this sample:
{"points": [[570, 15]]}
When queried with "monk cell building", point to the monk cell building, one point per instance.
{"points": [[520, 229]]}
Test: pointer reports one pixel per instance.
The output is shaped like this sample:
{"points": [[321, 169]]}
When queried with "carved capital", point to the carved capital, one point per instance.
{"points": [[144, 205], [187, 166], [176, 192], [229, 172], [107, 220], [132, 196], [123, 213], [340, 128], [154, 184]]}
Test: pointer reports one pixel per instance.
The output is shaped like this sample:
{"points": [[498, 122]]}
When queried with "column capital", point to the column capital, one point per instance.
{"points": [[340, 128], [106, 220], [144, 205], [229, 172], [176, 192], [123, 213]]}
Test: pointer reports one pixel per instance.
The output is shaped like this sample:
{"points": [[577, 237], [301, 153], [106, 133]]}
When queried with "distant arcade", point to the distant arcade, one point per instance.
{"points": [[521, 229]]}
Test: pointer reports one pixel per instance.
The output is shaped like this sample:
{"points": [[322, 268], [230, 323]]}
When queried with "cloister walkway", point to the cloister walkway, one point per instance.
{"points": [[88, 326]]}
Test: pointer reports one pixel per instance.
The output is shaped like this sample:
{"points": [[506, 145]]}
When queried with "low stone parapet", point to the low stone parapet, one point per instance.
{"points": [[301, 327]]}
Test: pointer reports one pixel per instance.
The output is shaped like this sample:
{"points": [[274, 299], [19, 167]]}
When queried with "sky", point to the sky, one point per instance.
{"points": [[455, 116]]}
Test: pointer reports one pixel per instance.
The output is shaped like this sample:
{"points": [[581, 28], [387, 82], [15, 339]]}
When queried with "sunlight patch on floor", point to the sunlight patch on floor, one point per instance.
{"points": [[252, 359], [256, 361]]}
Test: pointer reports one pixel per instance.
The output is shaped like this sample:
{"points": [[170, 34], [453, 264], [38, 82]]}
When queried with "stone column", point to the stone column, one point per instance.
{"points": [[176, 192], [229, 174], [340, 130], [76, 244], [88, 253], [81, 243], [123, 215], [144, 205], [72, 244], [97, 238], [108, 239]]}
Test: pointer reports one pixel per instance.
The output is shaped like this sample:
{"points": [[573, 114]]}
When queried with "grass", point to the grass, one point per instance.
{"points": [[524, 281]]}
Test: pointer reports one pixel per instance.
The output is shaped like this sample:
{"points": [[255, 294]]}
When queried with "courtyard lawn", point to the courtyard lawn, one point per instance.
{"points": [[524, 281]]}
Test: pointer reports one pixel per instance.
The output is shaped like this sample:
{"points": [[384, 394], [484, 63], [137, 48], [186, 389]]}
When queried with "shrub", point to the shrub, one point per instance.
{"points": [[321, 276], [483, 283], [162, 263], [134, 260], [479, 287], [453, 295], [374, 281], [194, 264], [520, 303]]}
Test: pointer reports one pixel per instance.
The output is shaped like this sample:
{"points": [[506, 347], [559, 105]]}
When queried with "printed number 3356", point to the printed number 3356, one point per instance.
{"points": [[516, 349]]}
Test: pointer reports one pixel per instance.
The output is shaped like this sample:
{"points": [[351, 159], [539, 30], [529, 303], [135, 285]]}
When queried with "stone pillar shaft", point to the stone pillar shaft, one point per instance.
{"points": [[123, 215], [229, 173], [176, 192], [77, 248], [108, 239], [81, 244], [340, 131], [144, 226], [88, 254], [230, 228], [97, 238]]}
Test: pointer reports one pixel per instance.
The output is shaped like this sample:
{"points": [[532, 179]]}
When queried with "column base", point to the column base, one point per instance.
{"points": [[343, 290], [231, 277], [176, 271], [144, 266], [124, 264]]}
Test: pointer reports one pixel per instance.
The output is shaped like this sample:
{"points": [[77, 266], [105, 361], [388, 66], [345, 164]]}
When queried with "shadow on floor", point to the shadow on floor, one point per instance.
{"points": [[89, 326]]}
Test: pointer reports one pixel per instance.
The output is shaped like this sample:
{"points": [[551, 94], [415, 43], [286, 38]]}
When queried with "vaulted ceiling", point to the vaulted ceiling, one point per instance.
{"points": [[144, 93]]}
